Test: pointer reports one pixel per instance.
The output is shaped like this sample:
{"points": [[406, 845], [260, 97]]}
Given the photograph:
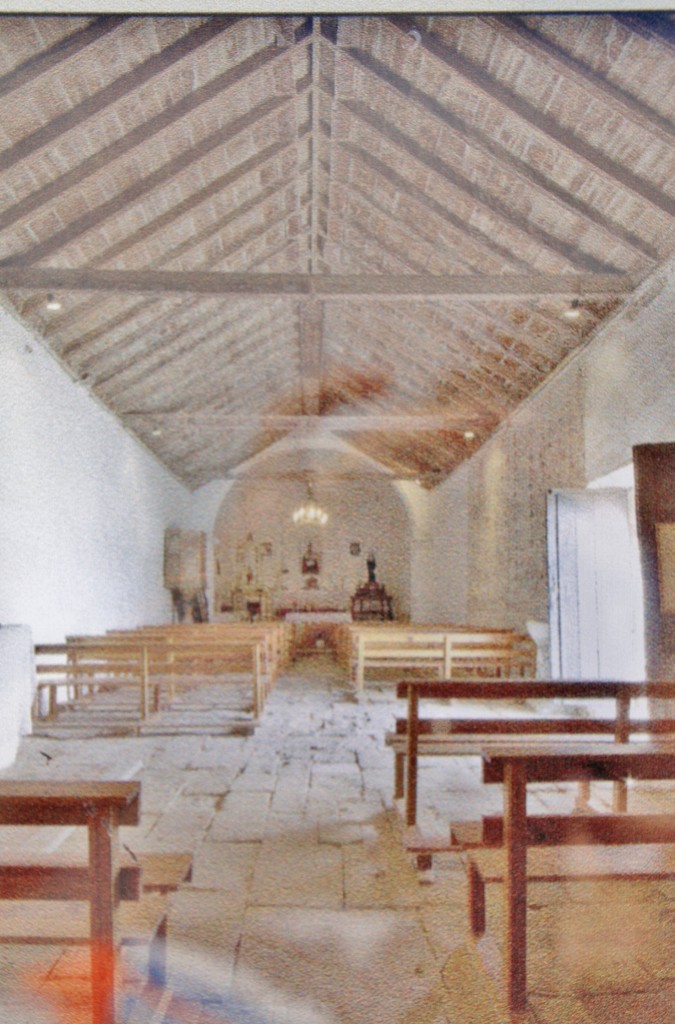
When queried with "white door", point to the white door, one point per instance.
{"points": [[595, 587]]}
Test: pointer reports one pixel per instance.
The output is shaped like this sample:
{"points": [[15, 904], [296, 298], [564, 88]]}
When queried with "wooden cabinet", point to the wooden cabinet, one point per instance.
{"points": [[371, 602]]}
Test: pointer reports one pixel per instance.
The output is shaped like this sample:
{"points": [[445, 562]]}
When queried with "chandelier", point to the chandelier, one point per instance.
{"points": [[310, 513]]}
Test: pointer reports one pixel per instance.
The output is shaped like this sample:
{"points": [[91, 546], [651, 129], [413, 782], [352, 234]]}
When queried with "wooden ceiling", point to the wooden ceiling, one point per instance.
{"points": [[372, 227]]}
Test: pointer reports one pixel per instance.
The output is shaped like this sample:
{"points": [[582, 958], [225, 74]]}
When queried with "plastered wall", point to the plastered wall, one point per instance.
{"points": [[254, 534], [83, 507], [490, 515]]}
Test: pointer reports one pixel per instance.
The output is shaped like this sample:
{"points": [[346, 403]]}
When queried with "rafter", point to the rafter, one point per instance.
{"points": [[408, 188], [132, 195], [180, 209], [488, 145], [478, 193], [557, 59], [64, 49], [140, 135], [535, 117], [329, 286], [117, 89]]}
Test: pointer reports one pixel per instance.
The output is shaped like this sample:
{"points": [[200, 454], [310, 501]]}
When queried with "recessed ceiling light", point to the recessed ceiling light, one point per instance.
{"points": [[156, 431], [469, 435], [53, 302], [573, 313]]}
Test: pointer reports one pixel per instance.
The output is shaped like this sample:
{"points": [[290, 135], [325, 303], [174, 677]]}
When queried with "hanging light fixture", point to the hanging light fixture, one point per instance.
{"points": [[310, 513]]}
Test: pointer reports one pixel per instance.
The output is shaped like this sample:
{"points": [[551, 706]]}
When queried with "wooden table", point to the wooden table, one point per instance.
{"points": [[102, 807], [515, 767]]}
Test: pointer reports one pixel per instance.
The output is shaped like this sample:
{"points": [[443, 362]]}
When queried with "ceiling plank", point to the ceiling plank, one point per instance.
{"points": [[411, 190], [133, 194], [654, 25], [563, 63], [310, 337], [141, 134], [537, 118], [478, 193], [69, 46], [327, 286], [117, 89], [488, 145]]}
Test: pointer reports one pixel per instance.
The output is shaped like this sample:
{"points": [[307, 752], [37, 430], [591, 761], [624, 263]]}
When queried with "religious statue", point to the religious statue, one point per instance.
{"points": [[310, 560], [371, 563]]}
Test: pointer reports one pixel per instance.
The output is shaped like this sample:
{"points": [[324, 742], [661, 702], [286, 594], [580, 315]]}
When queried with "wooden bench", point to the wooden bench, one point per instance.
{"points": [[76, 670], [153, 663], [212, 651], [112, 899], [458, 736], [624, 847], [446, 652]]}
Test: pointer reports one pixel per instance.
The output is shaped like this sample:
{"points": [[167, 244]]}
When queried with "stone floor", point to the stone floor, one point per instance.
{"points": [[303, 907]]}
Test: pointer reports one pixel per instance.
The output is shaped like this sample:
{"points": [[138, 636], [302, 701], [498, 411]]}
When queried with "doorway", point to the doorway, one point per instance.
{"points": [[595, 587]]}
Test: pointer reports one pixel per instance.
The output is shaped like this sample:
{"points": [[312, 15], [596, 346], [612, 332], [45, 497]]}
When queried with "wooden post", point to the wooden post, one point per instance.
{"points": [[515, 838], [360, 664], [102, 865], [621, 735], [413, 733]]}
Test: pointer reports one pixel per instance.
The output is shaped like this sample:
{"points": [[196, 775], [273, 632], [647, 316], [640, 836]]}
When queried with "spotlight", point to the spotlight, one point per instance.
{"points": [[52, 302], [573, 313]]}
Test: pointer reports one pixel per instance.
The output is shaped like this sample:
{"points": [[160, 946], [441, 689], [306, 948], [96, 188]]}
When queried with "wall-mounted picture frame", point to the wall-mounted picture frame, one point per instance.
{"points": [[355, 548]]}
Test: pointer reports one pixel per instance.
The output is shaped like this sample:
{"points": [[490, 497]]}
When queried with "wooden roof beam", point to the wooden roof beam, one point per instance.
{"points": [[133, 194], [117, 89], [528, 112], [591, 81], [487, 145], [64, 49], [370, 423], [479, 193], [384, 287], [138, 136]]}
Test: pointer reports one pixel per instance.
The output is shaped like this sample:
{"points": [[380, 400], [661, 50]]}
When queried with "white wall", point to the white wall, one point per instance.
{"points": [[83, 507], [369, 512], [490, 535]]}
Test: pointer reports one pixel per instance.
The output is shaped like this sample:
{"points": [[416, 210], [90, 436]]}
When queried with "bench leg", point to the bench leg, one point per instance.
{"points": [[102, 846], [424, 861], [157, 957], [476, 901], [620, 797], [399, 775]]}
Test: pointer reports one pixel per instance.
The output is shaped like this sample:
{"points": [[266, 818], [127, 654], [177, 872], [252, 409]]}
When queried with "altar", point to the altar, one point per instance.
{"points": [[316, 632]]}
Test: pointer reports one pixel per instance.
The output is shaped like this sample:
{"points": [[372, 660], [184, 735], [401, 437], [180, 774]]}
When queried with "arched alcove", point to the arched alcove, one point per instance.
{"points": [[258, 547]]}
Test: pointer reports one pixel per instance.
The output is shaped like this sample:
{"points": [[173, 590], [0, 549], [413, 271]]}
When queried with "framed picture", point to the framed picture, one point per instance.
{"points": [[355, 548], [267, 547]]}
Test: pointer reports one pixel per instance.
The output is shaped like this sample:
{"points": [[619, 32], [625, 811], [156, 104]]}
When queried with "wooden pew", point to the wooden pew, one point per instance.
{"points": [[77, 669], [462, 736], [447, 651], [638, 847], [88, 902], [205, 642], [154, 662]]}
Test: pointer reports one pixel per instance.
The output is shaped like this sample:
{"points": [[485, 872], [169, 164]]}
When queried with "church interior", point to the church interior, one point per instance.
{"points": [[337, 532]]}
